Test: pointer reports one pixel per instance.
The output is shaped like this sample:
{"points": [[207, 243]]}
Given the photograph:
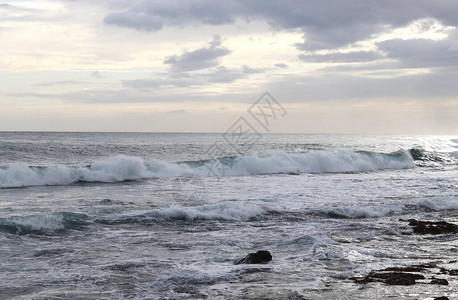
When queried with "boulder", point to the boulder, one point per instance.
{"points": [[427, 227], [260, 257], [390, 278], [439, 281], [452, 272]]}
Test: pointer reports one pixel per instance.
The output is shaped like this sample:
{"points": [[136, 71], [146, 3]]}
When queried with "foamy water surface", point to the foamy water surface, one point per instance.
{"points": [[148, 216]]}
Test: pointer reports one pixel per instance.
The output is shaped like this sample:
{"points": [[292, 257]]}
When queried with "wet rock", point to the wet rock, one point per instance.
{"points": [[412, 268], [439, 281], [417, 269], [390, 278], [260, 257], [427, 227], [453, 272], [400, 279], [254, 270], [191, 292]]}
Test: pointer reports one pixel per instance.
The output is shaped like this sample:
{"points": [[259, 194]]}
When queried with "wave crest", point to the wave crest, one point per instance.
{"points": [[122, 168], [43, 224], [224, 211]]}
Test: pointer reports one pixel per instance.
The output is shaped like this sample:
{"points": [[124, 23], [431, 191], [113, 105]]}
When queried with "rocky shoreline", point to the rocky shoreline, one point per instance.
{"points": [[429, 273], [433, 273]]}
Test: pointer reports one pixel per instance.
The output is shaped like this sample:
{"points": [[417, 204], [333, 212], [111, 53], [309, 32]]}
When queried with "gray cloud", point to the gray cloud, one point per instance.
{"points": [[154, 15], [91, 96], [248, 70], [160, 82], [335, 37], [15, 13], [109, 96], [281, 66], [325, 24], [6, 6], [63, 82], [356, 56], [329, 86], [420, 53], [225, 75], [96, 74], [198, 59], [287, 88], [177, 111], [218, 75]]}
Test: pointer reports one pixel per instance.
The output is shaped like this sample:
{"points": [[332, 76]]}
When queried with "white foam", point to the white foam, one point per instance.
{"points": [[115, 169], [437, 205], [221, 211], [121, 168], [366, 212], [20, 176], [319, 162], [47, 222], [229, 211], [377, 211]]}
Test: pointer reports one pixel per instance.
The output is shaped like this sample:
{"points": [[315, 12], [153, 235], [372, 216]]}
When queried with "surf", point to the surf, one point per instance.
{"points": [[123, 168]]}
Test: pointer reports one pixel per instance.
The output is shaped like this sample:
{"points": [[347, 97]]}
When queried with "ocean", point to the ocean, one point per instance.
{"points": [[166, 215]]}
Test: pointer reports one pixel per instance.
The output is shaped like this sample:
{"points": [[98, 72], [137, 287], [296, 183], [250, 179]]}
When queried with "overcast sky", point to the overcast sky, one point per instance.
{"points": [[197, 65]]}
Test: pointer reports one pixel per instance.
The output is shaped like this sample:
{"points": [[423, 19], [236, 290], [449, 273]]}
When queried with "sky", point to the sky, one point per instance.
{"points": [[334, 66]]}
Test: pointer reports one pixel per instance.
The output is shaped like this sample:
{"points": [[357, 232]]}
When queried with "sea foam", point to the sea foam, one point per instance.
{"points": [[122, 168], [223, 211], [45, 223]]}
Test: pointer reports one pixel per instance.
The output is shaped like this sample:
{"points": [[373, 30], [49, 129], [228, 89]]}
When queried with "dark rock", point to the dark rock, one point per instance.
{"points": [[427, 227], [191, 292], [390, 278], [254, 270], [405, 269], [260, 257], [452, 272], [439, 281], [413, 268], [442, 298], [399, 280]]}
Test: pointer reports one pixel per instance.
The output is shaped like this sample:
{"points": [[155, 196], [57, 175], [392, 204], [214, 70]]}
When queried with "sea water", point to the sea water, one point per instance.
{"points": [[160, 216]]}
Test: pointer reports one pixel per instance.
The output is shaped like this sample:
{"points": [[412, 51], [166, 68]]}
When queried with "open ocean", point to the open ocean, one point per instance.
{"points": [[166, 215]]}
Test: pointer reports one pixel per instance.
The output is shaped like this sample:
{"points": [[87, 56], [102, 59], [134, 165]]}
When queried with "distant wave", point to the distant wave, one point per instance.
{"points": [[122, 168], [377, 211], [428, 158], [46, 223], [60, 222], [227, 211], [224, 211]]}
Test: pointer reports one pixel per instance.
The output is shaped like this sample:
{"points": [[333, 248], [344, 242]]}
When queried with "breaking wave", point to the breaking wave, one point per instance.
{"points": [[43, 224], [377, 211], [122, 168], [224, 211], [427, 158]]}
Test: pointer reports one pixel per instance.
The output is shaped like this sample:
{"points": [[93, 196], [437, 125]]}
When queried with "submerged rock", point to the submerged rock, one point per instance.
{"points": [[413, 268], [439, 281], [260, 257], [407, 275], [390, 278], [453, 272], [427, 227]]}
